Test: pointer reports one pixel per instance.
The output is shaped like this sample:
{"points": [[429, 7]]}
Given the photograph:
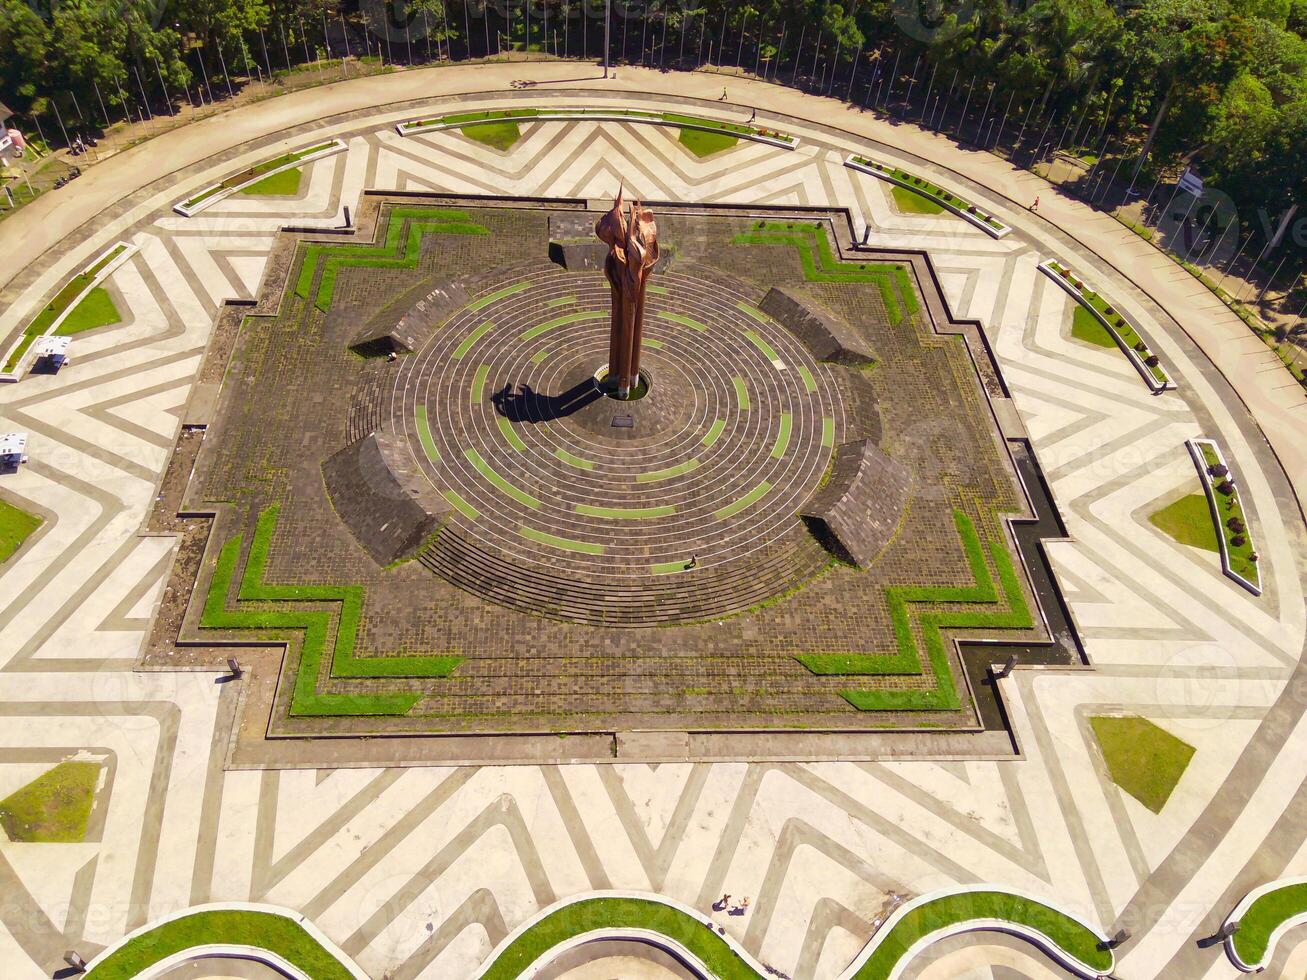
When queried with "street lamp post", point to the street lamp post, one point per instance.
{"points": [[608, 20]]}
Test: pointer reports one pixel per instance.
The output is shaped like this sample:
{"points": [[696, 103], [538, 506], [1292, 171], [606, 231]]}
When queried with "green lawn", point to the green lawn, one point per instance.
{"points": [[287, 938], [1125, 330], [15, 526], [70, 291], [500, 135], [276, 933], [1189, 521], [96, 310], [255, 171], [910, 202], [1144, 760], [1087, 327], [54, 807], [283, 184], [1262, 918], [703, 144]]}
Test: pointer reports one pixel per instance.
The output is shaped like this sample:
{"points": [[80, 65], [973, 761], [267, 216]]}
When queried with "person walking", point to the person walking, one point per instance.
{"points": [[723, 98], [1035, 206]]}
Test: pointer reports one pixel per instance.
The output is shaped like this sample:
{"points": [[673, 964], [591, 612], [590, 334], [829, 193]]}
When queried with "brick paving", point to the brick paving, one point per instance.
{"points": [[673, 662]]}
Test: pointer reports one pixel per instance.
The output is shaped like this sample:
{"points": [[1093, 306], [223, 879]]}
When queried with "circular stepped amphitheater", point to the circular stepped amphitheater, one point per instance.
{"points": [[680, 506]]}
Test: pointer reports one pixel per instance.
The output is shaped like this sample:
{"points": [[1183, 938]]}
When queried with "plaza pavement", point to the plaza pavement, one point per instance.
{"points": [[420, 871]]}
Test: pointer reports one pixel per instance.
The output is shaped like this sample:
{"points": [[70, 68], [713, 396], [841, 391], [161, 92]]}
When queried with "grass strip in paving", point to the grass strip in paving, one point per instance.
{"points": [[497, 135], [741, 393], [749, 499], [809, 382], [703, 144], [555, 541], [910, 202], [625, 513], [461, 351], [653, 344], [54, 807], [680, 469], [670, 567], [1143, 759], [828, 432], [16, 525], [96, 310], [261, 168], [782, 437], [314, 625], [570, 460], [659, 290], [714, 432], [751, 310], [906, 660], [768, 351], [478, 389], [1241, 555], [482, 467], [401, 248], [275, 933], [548, 325], [1188, 520], [461, 505], [684, 321], [424, 434], [484, 301], [560, 301], [283, 184], [1264, 916], [514, 440], [56, 307], [820, 263], [1088, 328]]}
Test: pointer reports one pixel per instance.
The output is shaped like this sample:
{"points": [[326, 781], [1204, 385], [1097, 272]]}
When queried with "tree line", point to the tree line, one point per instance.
{"points": [[1222, 83]]}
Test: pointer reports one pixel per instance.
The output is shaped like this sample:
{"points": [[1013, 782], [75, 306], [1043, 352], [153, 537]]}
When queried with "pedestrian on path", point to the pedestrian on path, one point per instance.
{"points": [[753, 115], [1035, 206], [723, 98], [721, 903]]}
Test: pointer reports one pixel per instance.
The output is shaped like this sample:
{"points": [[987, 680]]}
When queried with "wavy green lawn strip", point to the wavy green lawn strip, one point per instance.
{"points": [[477, 392], [498, 294], [461, 351], [315, 626], [509, 433], [461, 505], [275, 933], [405, 228], [809, 382], [906, 660], [1264, 917], [768, 351], [828, 432], [16, 526], [285, 937], [820, 263]]}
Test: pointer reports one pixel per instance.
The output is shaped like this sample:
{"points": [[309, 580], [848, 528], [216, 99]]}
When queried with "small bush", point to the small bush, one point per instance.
{"points": [[1225, 487], [1141, 346], [1218, 470], [1238, 541], [971, 209], [1252, 557], [1235, 525], [1109, 311], [1152, 360]]}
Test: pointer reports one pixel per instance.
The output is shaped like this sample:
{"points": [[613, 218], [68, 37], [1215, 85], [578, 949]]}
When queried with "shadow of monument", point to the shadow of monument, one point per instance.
{"points": [[525, 404]]}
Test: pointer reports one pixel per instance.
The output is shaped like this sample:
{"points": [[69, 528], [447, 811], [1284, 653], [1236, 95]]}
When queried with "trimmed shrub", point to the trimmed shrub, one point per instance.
{"points": [[1238, 541], [1152, 360], [1225, 487], [1218, 470]]}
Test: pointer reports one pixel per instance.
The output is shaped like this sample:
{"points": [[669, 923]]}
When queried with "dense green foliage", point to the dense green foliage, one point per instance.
{"points": [[1264, 916], [1223, 81]]}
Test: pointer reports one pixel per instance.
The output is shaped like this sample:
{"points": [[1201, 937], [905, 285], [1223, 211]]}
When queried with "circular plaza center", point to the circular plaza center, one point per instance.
{"points": [[680, 504]]}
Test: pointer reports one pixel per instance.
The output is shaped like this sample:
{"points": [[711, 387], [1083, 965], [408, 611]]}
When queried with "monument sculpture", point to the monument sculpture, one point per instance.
{"points": [[632, 254]]}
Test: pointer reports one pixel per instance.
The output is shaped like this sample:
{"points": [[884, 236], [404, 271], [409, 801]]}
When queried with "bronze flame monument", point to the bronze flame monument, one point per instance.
{"points": [[632, 254]]}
